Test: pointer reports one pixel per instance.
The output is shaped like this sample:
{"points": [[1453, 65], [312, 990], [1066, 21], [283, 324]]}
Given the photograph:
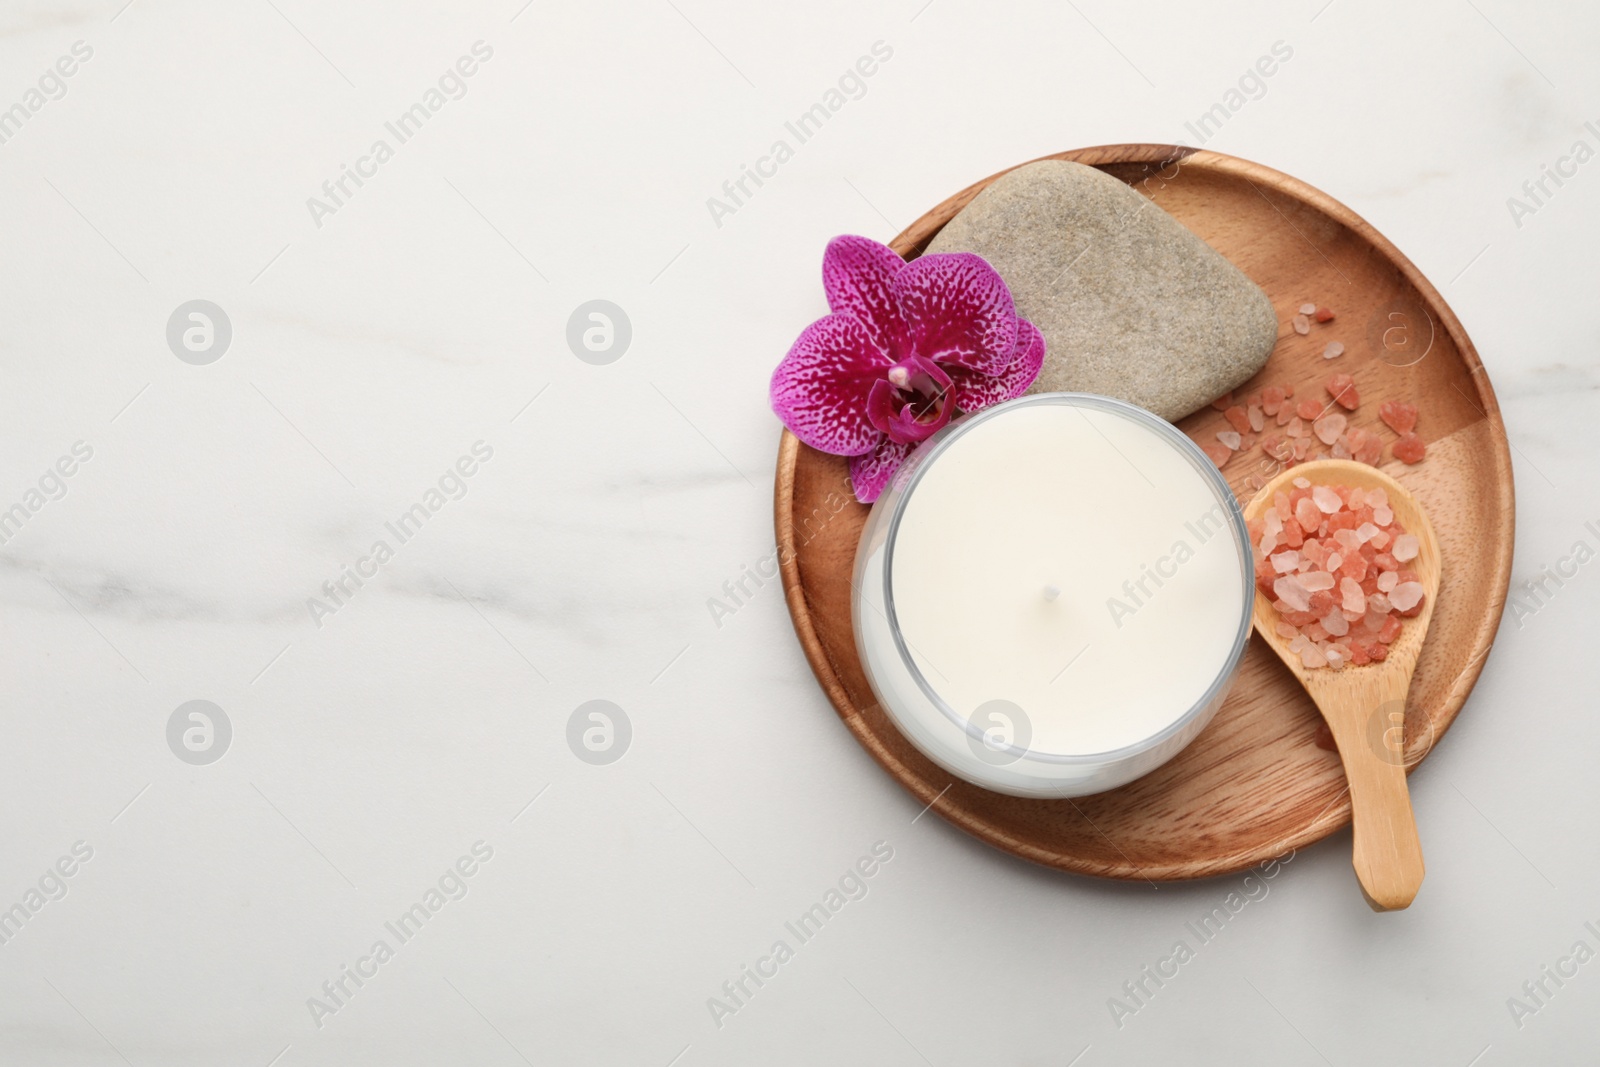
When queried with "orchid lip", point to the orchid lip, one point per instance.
{"points": [[912, 401]]}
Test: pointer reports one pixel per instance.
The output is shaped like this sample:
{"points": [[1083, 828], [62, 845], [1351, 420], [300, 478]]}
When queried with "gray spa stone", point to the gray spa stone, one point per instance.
{"points": [[1131, 303]]}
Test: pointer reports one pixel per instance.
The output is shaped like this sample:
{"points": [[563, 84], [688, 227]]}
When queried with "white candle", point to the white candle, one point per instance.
{"points": [[1053, 597]]}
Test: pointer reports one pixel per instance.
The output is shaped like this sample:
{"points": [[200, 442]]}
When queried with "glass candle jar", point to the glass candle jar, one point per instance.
{"points": [[1053, 595]]}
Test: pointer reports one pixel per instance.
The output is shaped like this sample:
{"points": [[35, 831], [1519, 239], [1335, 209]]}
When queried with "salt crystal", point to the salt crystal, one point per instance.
{"points": [[1365, 531], [1330, 427], [1308, 309], [1257, 418], [1283, 629], [1380, 540], [1302, 483], [1387, 580], [1326, 500], [1311, 657], [1268, 543], [1379, 604], [1382, 515], [1336, 624], [1406, 547], [1300, 642], [1302, 325], [1335, 561], [1334, 350], [1352, 599], [1284, 562], [1307, 514], [1280, 504], [1230, 439], [1272, 523], [1378, 498], [1317, 581], [1336, 659], [1341, 450], [1292, 593], [1406, 596]]}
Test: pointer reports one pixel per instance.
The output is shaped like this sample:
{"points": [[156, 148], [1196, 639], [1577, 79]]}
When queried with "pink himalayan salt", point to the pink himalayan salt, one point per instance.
{"points": [[1317, 581], [1330, 427], [1406, 596], [1340, 603], [1292, 593], [1326, 500], [1406, 547], [1409, 449], [1230, 440], [1351, 599]]}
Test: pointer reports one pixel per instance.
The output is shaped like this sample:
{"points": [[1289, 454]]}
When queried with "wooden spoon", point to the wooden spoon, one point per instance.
{"points": [[1365, 706]]}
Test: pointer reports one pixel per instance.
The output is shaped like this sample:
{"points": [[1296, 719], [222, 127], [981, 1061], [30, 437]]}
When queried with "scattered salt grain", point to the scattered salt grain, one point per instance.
{"points": [[1229, 438], [1334, 350], [1302, 325], [1308, 309]]}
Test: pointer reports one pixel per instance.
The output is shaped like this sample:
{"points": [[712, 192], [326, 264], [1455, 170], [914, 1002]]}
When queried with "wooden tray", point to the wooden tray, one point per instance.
{"points": [[1260, 780]]}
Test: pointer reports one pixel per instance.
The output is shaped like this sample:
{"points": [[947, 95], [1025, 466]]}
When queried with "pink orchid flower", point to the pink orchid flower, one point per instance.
{"points": [[906, 347]]}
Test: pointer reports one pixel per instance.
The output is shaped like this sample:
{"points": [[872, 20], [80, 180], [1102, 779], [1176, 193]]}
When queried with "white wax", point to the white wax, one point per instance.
{"points": [[1114, 515]]}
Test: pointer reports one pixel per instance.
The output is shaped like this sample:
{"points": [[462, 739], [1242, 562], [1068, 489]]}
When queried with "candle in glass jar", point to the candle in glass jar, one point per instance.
{"points": [[1053, 595]]}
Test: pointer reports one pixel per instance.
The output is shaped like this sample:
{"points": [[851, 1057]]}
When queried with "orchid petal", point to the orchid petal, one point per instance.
{"points": [[958, 310], [858, 277], [820, 389], [974, 391], [869, 473]]}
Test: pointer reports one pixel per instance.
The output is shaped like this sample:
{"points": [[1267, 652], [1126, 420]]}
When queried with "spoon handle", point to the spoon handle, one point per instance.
{"points": [[1368, 725]]}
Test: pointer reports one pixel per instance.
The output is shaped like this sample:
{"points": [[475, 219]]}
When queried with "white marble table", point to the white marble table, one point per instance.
{"points": [[421, 711]]}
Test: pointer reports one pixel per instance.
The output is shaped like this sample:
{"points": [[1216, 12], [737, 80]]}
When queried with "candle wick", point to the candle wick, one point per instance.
{"points": [[1052, 591]]}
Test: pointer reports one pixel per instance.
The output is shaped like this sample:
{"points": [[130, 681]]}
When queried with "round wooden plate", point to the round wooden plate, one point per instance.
{"points": [[1260, 780]]}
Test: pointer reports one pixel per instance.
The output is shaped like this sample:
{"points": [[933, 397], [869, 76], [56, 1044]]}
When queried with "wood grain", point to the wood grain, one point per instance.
{"points": [[1255, 784]]}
